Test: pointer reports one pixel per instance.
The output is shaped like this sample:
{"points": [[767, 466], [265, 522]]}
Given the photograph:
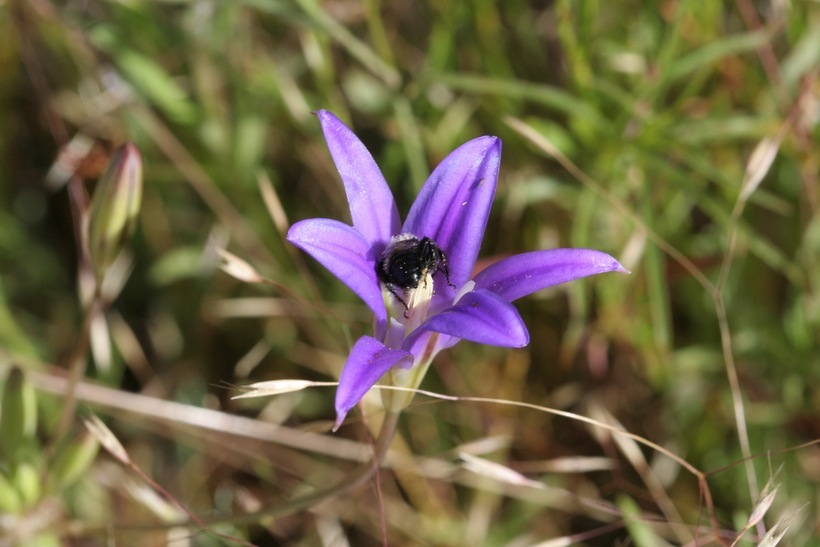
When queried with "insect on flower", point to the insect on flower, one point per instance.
{"points": [[408, 262]]}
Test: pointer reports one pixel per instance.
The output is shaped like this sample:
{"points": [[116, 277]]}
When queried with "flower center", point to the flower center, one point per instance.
{"points": [[406, 268]]}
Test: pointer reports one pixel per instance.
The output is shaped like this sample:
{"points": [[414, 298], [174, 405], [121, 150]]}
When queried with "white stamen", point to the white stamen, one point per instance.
{"points": [[418, 302]]}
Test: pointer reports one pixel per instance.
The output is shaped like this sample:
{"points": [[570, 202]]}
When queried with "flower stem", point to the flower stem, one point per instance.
{"points": [[76, 365]]}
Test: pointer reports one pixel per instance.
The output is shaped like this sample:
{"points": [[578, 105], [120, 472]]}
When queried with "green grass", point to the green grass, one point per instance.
{"points": [[629, 127]]}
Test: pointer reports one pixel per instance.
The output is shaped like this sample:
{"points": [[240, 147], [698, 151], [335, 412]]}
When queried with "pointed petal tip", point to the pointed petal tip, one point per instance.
{"points": [[492, 144], [289, 235], [322, 113], [496, 146], [612, 265], [296, 230], [340, 418]]}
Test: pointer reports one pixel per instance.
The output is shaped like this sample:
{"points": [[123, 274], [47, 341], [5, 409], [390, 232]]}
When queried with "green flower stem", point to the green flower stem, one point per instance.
{"points": [[92, 304], [76, 367], [408, 381]]}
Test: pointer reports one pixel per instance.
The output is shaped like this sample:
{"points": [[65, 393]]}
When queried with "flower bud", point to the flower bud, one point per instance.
{"points": [[114, 208]]}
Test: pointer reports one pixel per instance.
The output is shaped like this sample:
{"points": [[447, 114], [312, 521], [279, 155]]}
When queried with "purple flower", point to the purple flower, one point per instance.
{"points": [[416, 276]]}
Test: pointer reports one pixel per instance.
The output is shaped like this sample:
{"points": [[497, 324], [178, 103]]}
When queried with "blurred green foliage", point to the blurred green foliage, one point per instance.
{"points": [[660, 104], [31, 472]]}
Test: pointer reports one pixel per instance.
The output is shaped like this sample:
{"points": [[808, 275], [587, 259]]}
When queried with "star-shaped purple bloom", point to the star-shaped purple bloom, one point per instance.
{"points": [[412, 324]]}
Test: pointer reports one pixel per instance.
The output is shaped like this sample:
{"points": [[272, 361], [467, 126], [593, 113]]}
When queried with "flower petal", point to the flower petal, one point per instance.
{"points": [[479, 316], [527, 273], [369, 359], [454, 204], [372, 206], [342, 250]]}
